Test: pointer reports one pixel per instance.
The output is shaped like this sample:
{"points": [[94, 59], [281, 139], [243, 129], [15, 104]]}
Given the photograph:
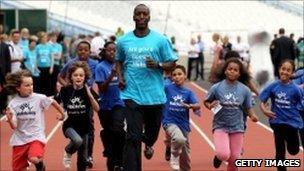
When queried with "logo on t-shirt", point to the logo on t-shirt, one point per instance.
{"points": [[230, 101], [77, 105], [176, 103], [281, 100], [25, 109]]}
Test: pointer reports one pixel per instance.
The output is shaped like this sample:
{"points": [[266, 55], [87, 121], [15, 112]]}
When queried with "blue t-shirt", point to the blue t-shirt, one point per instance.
{"points": [[111, 97], [233, 99], [174, 111], [286, 100], [30, 61], [92, 65], [144, 85], [44, 58]]}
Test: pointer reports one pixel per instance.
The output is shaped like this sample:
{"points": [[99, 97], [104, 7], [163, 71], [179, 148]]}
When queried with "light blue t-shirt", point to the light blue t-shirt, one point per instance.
{"points": [[110, 97], [144, 85], [24, 44], [30, 61], [233, 99], [44, 58], [287, 102], [174, 111], [56, 48]]}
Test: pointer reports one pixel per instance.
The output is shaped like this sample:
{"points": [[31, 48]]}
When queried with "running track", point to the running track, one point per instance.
{"points": [[258, 144]]}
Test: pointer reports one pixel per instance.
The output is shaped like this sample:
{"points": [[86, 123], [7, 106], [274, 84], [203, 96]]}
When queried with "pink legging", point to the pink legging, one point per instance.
{"points": [[228, 146]]}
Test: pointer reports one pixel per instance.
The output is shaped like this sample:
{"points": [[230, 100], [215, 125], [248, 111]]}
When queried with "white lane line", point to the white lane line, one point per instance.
{"points": [[202, 134], [259, 123], [53, 131]]}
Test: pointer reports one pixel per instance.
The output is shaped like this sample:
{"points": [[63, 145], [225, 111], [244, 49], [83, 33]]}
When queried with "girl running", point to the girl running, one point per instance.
{"points": [[228, 99], [111, 116], [284, 115], [25, 115], [78, 101]]}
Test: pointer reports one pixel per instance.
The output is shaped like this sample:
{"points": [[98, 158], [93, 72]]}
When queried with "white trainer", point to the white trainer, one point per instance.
{"points": [[67, 161], [174, 162]]}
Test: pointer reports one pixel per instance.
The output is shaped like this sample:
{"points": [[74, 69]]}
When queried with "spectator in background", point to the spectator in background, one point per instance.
{"points": [[56, 53], [227, 46], [24, 42], [242, 48], [283, 49], [97, 44], [217, 57], [112, 38], [65, 48], [89, 38], [271, 48], [173, 42], [45, 63], [119, 32], [193, 54], [201, 58], [30, 62], [5, 67], [15, 51]]}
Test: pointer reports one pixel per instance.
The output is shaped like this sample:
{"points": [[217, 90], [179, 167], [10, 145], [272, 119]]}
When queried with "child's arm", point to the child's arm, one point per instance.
{"points": [[210, 105], [266, 111], [250, 112], [94, 103], [59, 109], [194, 106], [104, 86], [9, 116]]}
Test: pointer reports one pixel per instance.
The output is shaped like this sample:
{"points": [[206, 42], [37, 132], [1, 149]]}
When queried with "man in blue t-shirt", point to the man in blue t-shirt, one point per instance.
{"points": [[142, 56]]}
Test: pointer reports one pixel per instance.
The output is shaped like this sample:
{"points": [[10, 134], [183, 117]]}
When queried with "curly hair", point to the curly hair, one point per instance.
{"points": [[74, 67], [14, 80], [102, 53], [244, 75]]}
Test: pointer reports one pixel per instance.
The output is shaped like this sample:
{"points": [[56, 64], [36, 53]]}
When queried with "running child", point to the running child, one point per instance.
{"points": [[176, 118], [25, 115], [229, 99], [284, 115], [79, 103], [111, 116]]}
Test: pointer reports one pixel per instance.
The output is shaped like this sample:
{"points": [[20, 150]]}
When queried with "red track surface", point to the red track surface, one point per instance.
{"points": [[258, 145]]}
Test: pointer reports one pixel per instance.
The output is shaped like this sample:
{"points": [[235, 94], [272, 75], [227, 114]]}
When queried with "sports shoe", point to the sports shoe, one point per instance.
{"points": [[90, 162], [148, 152], [67, 161], [174, 162], [168, 153], [216, 162]]}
